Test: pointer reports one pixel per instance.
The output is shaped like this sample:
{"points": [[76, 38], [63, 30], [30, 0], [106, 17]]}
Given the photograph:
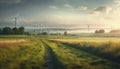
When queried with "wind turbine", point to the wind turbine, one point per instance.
{"points": [[15, 22], [35, 28], [40, 27], [88, 27]]}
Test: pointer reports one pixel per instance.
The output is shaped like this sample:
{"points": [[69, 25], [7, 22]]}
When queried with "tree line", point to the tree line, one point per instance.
{"points": [[99, 31], [12, 31]]}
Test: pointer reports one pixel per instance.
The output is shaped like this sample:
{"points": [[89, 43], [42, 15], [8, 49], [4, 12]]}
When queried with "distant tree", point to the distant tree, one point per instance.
{"points": [[7, 31], [100, 31], [96, 31], [10, 31], [65, 33], [21, 30], [59, 33], [44, 33], [15, 31], [26, 33], [0, 31]]}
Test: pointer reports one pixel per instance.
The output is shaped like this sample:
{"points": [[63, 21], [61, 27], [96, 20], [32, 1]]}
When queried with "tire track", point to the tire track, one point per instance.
{"points": [[51, 61]]}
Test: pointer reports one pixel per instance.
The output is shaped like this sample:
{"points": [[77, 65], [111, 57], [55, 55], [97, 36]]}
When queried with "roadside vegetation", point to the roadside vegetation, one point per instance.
{"points": [[106, 48], [28, 55], [73, 58]]}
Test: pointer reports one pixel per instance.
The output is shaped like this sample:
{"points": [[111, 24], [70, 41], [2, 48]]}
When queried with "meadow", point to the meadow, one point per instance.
{"points": [[21, 54], [59, 52]]}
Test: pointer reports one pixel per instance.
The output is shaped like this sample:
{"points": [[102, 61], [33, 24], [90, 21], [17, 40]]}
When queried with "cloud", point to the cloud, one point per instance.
{"points": [[76, 9], [116, 9], [82, 8], [53, 7], [10, 1], [68, 6], [117, 3], [102, 9]]}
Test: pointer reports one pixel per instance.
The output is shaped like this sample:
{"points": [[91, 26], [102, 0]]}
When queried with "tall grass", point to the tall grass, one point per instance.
{"points": [[73, 58], [106, 49], [67, 53], [23, 56]]}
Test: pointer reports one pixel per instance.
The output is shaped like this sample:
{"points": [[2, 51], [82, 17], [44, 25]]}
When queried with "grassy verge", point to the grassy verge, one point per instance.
{"points": [[23, 56], [109, 50], [73, 58]]}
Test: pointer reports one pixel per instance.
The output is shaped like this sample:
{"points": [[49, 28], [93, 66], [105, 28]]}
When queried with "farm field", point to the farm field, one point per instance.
{"points": [[59, 52]]}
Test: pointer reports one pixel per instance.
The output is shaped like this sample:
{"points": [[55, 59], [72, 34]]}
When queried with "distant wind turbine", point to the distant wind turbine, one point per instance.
{"points": [[35, 28], [88, 27], [15, 20]]}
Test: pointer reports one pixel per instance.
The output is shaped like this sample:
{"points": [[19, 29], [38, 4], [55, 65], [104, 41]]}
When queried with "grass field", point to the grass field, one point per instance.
{"points": [[59, 52], [17, 55]]}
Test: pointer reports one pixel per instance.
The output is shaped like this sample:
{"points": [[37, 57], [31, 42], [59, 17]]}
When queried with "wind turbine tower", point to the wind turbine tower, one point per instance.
{"points": [[15, 22], [88, 28]]}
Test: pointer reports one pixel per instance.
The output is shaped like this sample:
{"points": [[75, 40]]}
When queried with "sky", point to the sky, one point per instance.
{"points": [[61, 13]]}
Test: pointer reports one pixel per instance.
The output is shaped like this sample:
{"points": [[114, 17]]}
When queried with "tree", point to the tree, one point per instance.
{"points": [[100, 31], [44, 33], [21, 30], [65, 33], [0, 31], [26, 33], [96, 31], [15, 30], [7, 31]]}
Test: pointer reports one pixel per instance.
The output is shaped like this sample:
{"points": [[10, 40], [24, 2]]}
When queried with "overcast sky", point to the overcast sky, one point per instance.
{"points": [[60, 13]]}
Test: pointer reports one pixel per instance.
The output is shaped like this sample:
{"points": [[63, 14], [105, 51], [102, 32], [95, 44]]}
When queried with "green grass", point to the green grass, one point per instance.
{"points": [[15, 37], [89, 39], [73, 58], [108, 48], [68, 52], [25, 56]]}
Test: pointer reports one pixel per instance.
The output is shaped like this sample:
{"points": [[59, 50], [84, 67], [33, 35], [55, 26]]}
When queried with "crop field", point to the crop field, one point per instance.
{"points": [[59, 52]]}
